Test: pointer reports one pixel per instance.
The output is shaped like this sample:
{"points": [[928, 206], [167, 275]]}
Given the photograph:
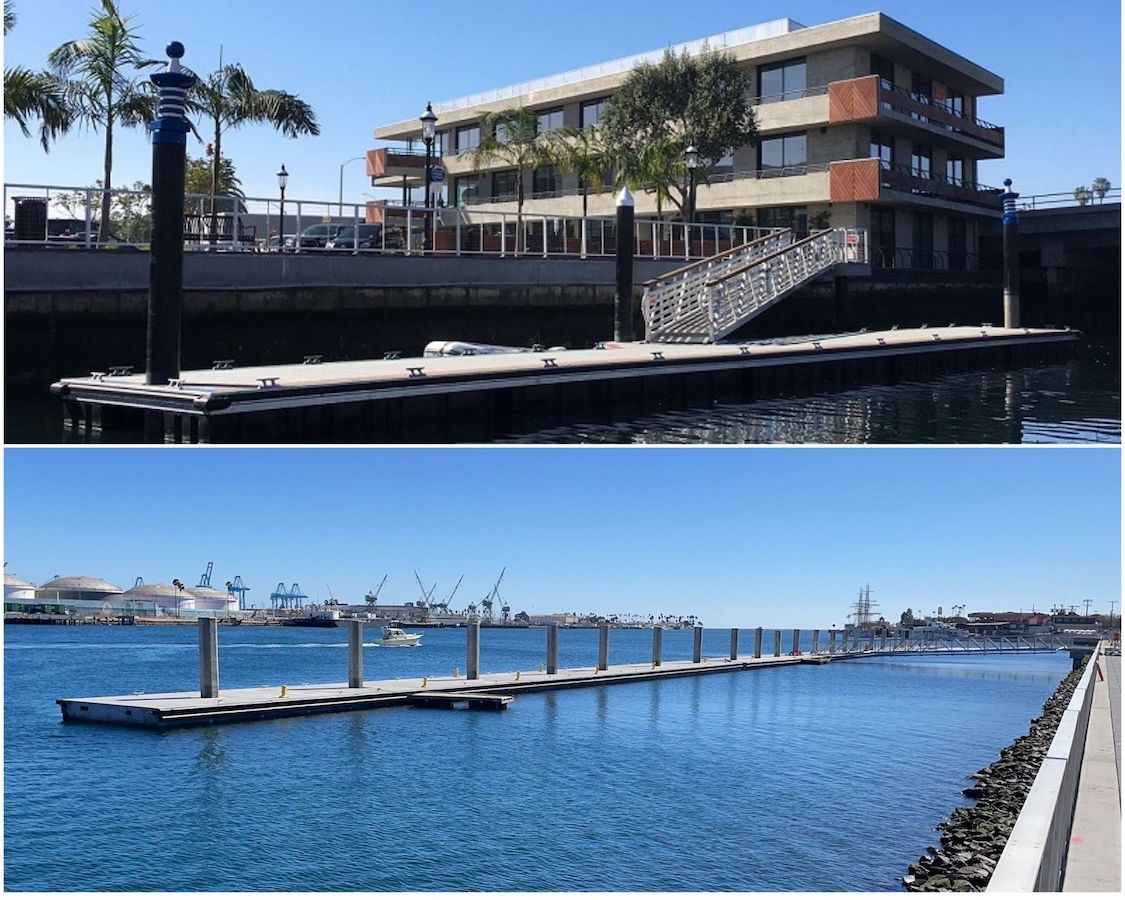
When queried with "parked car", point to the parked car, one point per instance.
{"points": [[315, 237], [370, 237]]}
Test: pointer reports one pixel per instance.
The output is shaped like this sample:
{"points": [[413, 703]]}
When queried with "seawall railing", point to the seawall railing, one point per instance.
{"points": [[1034, 858]]}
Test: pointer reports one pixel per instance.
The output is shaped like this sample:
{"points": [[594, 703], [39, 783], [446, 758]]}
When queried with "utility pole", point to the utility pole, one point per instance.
{"points": [[1087, 602]]}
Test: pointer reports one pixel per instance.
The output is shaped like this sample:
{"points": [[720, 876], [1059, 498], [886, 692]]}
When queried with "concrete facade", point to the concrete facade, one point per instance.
{"points": [[926, 114]]}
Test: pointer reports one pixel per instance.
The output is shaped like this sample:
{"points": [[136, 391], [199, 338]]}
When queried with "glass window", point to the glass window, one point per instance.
{"points": [[795, 217], [955, 103], [955, 171], [465, 189], [468, 138], [784, 151], [545, 180], [504, 185], [885, 69], [957, 244], [921, 162], [550, 120], [882, 236], [591, 111], [781, 81], [882, 148], [921, 88]]}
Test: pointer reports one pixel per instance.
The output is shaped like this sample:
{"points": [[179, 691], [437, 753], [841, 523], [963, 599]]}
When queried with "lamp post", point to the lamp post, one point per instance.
{"points": [[344, 163], [429, 121], [282, 180], [692, 156]]}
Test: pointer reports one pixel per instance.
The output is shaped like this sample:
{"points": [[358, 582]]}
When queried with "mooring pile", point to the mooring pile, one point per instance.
{"points": [[973, 837]]}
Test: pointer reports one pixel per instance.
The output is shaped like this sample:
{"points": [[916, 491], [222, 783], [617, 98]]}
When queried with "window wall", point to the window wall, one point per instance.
{"points": [[504, 185], [923, 240], [466, 188], [782, 81], [545, 180], [591, 111], [468, 138], [882, 148], [550, 120], [783, 151], [921, 162]]}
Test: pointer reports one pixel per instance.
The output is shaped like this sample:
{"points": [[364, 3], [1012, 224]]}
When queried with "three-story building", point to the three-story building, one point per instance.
{"points": [[863, 123]]}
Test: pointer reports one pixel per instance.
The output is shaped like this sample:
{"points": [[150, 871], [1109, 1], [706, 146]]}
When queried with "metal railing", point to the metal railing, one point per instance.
{"points": [[925, 183], [1068, 198], [254, 224], [934, 260], [1034, 857], [684, 308], [902, 640]]}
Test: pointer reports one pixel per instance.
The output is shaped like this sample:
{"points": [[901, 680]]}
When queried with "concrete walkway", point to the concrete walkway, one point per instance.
{"points": [[1094, 858]]}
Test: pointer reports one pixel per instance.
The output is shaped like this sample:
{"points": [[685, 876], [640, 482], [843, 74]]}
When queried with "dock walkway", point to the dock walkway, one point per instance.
{"points": [[187, 708], [1093, 861]]}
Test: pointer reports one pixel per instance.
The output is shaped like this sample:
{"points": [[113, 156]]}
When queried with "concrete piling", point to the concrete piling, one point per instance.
{"points": [[553, 648], [603, 647], [623, 295], [832, 640], [657, 644], [355, 653], [472, 651], [208, 657], [1011, 236], [758, 643], [816, 640], [733, 644], [697, 644], [796, 641], [777, 642]]}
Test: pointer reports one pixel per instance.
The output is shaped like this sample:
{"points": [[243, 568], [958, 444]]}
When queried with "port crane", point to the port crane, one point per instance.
{"points": [[443, 605], [373, 596], [493, 595], [205, 578], [287, 598], [427, 596], [239, 589]]}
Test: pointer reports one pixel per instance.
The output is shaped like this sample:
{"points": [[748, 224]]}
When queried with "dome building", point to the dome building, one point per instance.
{"points": [[209, 600], [18, 594], [159, 600], [80, 593]]}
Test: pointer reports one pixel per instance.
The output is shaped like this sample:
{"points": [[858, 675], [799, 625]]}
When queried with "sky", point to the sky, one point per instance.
{"points": [[362, 64], [746, 537]]}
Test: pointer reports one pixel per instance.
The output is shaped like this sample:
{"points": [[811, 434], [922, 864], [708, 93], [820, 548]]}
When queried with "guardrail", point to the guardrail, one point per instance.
{"points": [[1068, 198], [253, 224], [1034, 857]]}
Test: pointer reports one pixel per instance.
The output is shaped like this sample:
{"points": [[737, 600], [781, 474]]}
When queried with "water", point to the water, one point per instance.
{"points": [[1078, 401], [799, 778]]}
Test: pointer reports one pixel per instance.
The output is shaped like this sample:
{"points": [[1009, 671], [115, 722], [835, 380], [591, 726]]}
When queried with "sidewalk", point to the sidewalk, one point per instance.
{"points": [[1094, 858]]}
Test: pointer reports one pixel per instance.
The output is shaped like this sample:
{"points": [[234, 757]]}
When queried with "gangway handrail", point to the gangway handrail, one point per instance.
{"points": [[1034, 856], [733, 273], [718, 257]]}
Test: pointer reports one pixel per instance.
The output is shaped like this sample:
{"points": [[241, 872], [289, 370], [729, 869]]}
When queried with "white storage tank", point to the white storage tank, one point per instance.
{"points": [[158, 600]]}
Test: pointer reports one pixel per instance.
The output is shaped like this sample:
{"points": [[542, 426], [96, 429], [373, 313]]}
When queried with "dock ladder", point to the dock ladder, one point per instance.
{"points": [[704, 302]]}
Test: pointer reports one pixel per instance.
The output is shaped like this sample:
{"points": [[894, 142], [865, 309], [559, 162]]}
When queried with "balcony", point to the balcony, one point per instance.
{"points": [[388, 166], [870, 99], [867, 181]]}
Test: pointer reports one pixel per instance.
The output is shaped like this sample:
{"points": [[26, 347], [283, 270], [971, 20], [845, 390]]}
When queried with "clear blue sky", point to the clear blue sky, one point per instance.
{"points": [[738, 536], [362, 64]]}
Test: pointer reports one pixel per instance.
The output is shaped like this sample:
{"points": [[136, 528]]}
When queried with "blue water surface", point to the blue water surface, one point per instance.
{"points": [[815, 778]]}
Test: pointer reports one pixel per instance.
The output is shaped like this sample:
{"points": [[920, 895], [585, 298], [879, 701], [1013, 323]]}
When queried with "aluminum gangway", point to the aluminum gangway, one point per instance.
{"points": [[897, 641], [704, 302]]}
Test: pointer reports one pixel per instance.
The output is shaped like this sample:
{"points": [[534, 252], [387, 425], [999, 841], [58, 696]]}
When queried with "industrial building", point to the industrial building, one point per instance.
{"points": [[83, 595], [863, 123]]}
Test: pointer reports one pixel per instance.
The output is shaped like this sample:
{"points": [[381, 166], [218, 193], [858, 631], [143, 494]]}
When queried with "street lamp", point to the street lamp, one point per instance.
{"points": [[429, 121], [692, 162], [282, 180], [344, 163]]}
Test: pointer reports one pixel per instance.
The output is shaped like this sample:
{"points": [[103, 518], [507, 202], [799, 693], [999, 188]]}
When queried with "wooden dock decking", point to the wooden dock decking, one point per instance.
{"points": [[200, 404], [187, 708]]}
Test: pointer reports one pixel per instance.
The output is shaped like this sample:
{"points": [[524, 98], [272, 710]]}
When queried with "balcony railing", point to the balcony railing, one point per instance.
{"points": [[911, 180], [935, 112], [935, 260]]}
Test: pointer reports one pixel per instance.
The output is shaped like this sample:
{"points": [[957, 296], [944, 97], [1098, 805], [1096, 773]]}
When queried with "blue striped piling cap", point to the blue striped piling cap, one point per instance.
{"points": [[1009, 215], [171, 124]]}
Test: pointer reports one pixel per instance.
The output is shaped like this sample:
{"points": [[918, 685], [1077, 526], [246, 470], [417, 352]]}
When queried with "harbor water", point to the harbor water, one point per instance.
{"points": [[817, 778]]}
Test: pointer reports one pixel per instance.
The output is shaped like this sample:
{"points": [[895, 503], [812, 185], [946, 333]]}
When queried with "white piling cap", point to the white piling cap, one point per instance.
{"points": [[625, 198]]}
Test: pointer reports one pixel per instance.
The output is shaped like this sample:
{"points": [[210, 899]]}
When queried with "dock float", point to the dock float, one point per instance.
{"points": [[475, 397], [489, 691]]}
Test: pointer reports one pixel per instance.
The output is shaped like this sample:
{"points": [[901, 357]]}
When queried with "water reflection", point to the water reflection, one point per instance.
{"points": [[1075, 401]]}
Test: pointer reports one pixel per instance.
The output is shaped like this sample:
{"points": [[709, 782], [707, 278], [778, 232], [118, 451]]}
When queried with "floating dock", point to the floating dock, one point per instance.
{"points": [[478, 397], [188, 708]]}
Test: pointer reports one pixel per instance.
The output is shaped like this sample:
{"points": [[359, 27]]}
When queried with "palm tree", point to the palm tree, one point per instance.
{"points": [[99, 71], [37, 95], [511, 137], [582, 152], [658, 166], [228, 99], [1101, 187], [1082, 194]]}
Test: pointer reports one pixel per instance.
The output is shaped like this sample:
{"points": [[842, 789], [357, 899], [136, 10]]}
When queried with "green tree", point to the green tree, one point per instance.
{"points": [[199, 180], [100, 74], [581, 151], [1082, 194], [228, 99], [34, 95], [1101, 187], [511, 137], [682, 100]]}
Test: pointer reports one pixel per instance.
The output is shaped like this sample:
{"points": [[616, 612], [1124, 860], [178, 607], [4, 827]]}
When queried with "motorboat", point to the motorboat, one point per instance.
{"points": [[396, 637]]}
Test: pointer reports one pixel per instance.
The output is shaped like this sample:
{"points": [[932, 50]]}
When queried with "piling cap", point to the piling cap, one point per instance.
{"points": [[625, 198], [175, 50]]}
